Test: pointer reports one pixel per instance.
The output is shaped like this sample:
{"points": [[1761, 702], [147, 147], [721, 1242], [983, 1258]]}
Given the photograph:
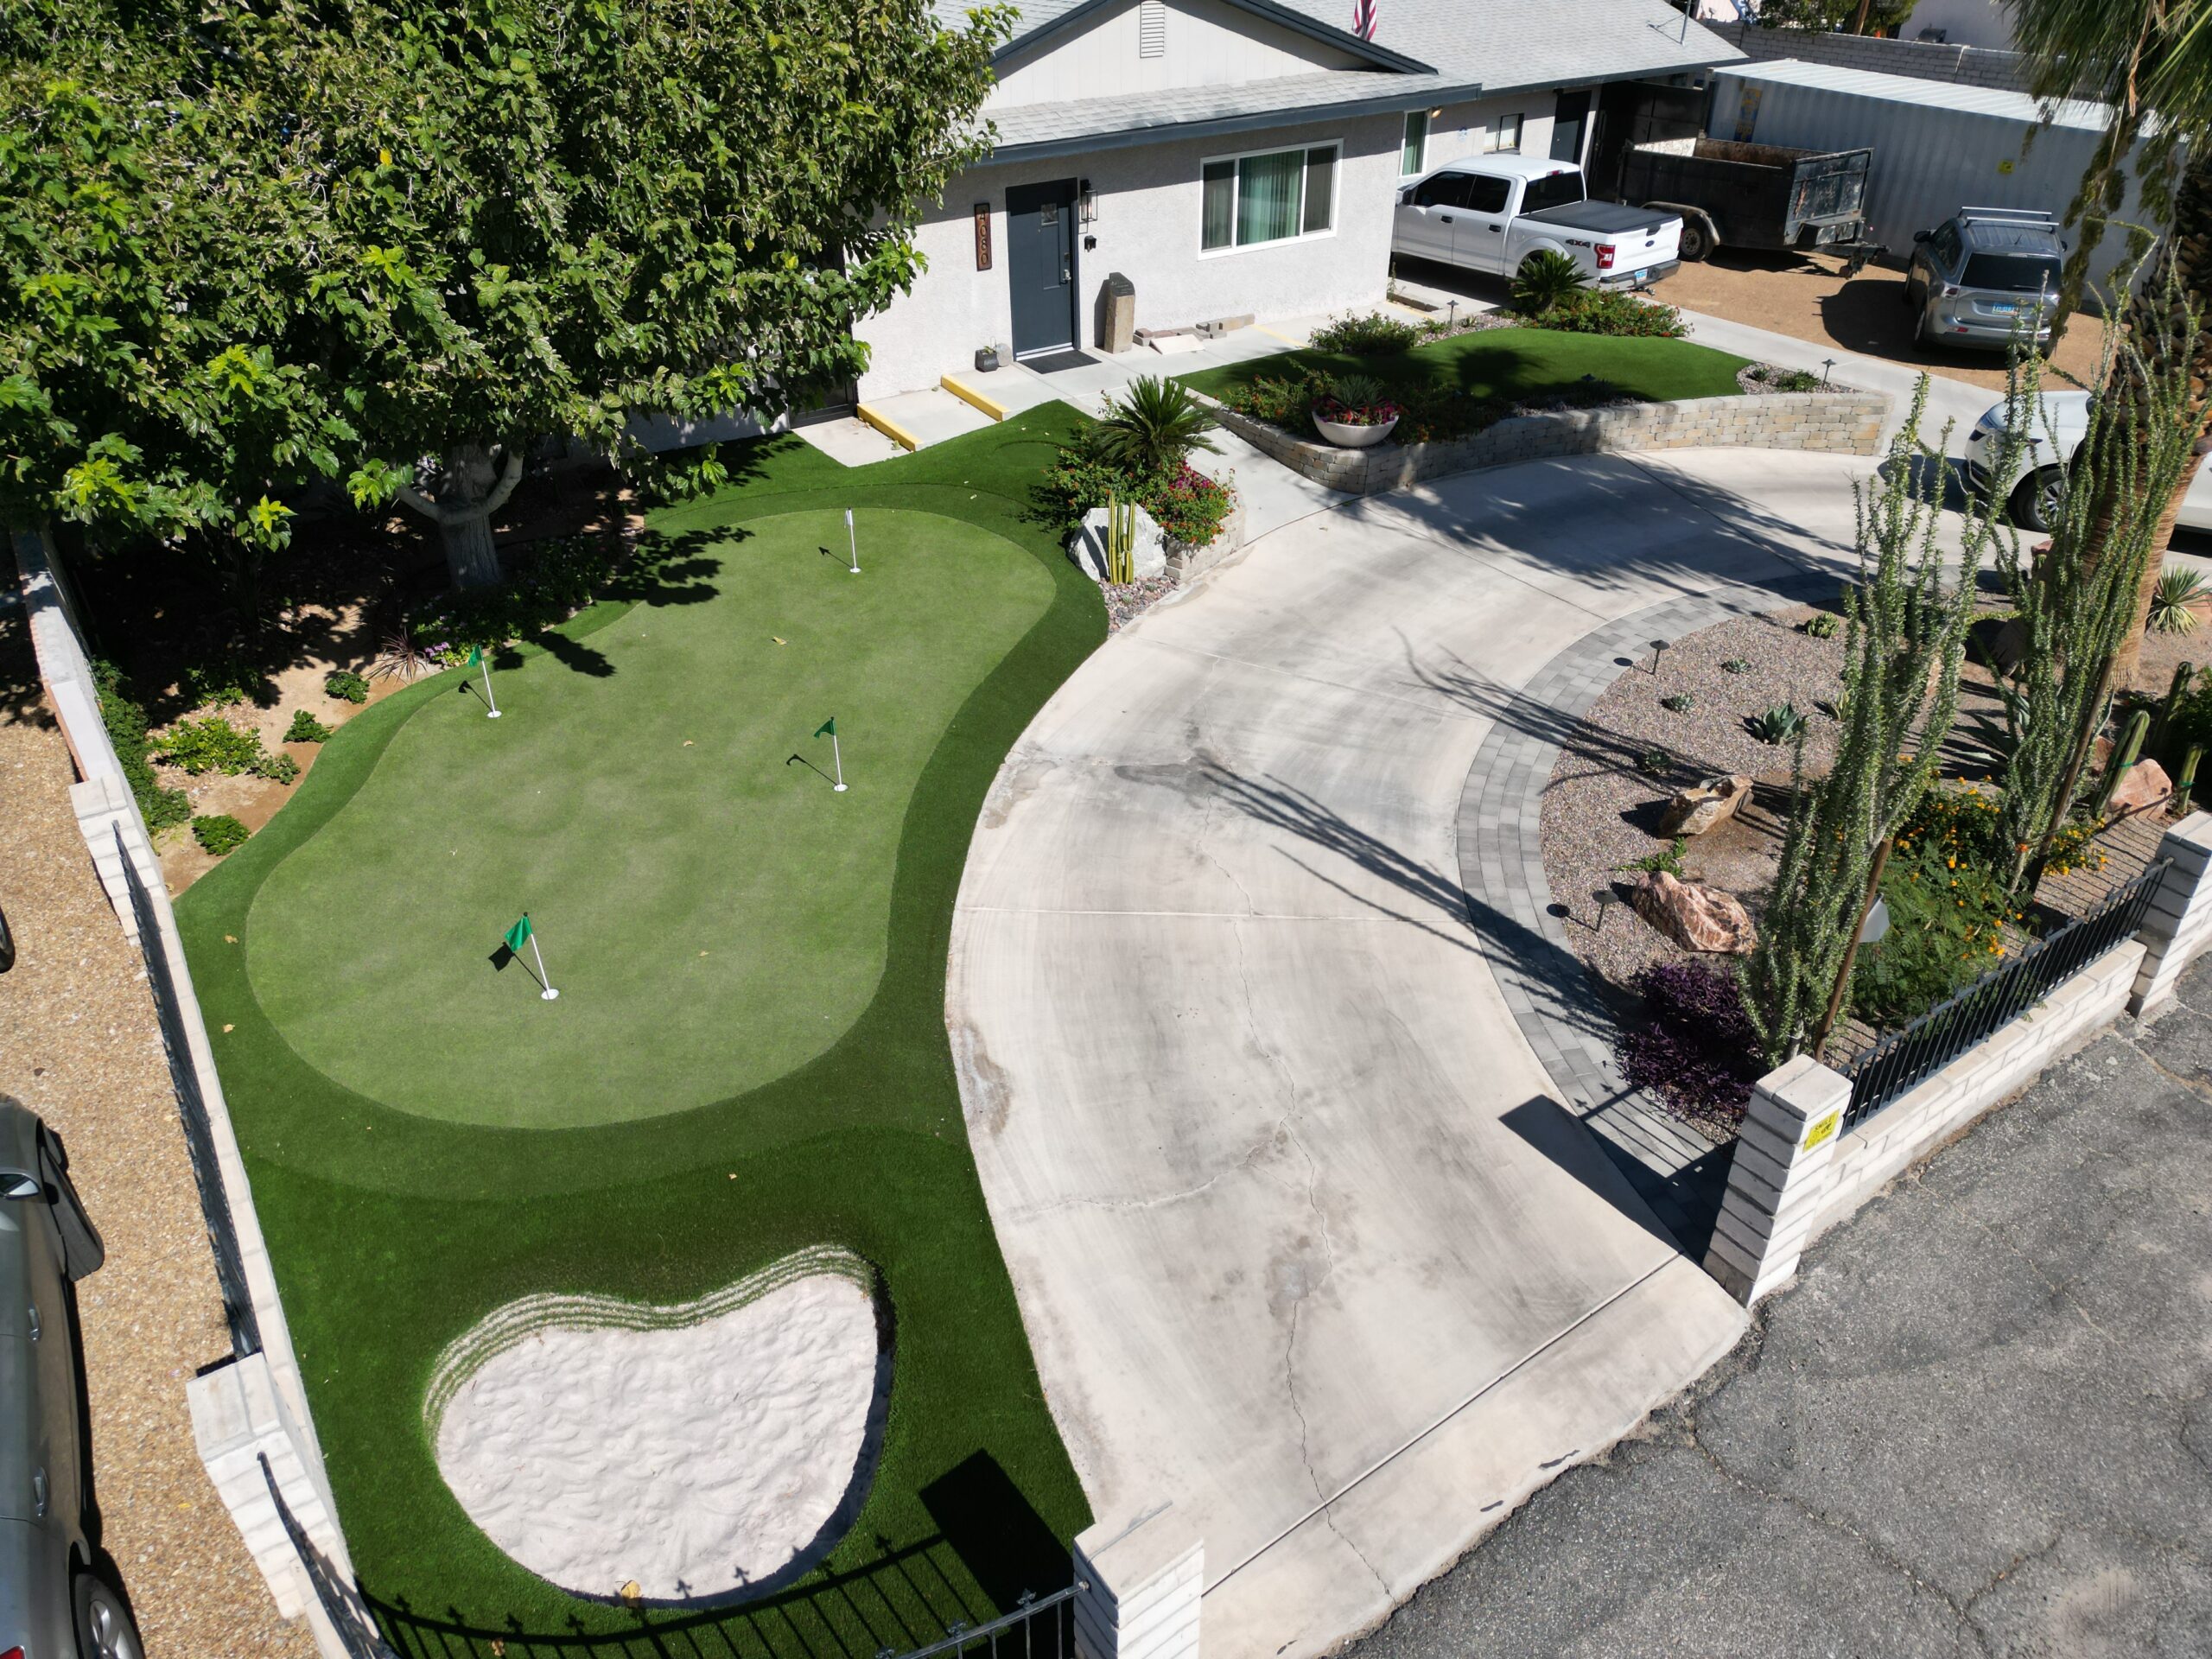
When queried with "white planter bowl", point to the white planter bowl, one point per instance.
{"points": [[1354, 438]]}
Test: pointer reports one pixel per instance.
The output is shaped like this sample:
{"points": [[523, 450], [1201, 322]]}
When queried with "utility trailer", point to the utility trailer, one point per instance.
{"points": [[1750, 196]]}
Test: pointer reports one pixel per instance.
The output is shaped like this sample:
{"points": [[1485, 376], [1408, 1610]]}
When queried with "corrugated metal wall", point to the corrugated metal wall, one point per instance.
{"points": [[1929, 161]]}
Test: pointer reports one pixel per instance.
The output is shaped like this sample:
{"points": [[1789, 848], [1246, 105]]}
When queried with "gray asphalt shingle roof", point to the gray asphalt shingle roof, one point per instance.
{"points": [[1498, 46]]}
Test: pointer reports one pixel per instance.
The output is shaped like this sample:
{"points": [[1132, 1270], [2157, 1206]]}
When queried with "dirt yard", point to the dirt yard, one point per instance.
{"points": [[1805, 296]]}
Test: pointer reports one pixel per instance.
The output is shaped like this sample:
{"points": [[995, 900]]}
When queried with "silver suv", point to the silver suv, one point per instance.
{"points": [[55, 1601], [1981, 273]]}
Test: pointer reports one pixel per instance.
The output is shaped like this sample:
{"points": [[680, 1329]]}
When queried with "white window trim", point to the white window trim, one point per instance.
{"points": [[1336, 197], [1496, 131]]}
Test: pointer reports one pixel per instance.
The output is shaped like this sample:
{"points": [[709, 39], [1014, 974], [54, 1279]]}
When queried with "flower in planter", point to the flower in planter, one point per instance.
{"points": [[1356, 400]]}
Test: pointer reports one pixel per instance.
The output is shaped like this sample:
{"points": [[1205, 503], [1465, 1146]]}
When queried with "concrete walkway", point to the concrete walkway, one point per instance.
{"points": [[1307, 1247]]}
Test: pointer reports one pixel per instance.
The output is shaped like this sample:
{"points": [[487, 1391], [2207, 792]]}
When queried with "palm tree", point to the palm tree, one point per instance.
{"points": [[2150, 62], [1155, 426]]}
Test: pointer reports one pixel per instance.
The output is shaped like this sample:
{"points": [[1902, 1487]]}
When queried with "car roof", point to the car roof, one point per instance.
{"points": [[1515, 167], [2008, 236]]}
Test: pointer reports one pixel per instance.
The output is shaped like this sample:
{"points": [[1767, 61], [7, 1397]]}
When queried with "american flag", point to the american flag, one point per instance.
{"points": [[1365, 15]]}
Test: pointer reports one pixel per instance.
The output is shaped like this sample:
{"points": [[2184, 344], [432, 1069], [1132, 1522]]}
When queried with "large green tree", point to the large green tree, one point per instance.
{"points": [[390, 244]]}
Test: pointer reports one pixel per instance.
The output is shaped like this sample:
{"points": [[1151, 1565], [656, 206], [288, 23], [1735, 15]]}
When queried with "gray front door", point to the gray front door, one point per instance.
{"points": [[1040, 265]]}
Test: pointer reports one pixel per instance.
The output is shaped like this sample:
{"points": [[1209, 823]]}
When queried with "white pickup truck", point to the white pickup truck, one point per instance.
{"points": [[1489, 213]]}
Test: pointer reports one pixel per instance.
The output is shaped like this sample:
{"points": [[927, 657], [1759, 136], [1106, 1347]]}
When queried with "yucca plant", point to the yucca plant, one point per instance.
{"points": [[2171, 600], [1155, 426], [1780, 724], [1545, 278]]}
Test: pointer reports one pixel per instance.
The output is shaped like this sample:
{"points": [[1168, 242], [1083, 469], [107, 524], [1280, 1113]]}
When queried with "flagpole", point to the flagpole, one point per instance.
{"points": [[548, 993], [853, 542], [837, 760], [484, 663]]}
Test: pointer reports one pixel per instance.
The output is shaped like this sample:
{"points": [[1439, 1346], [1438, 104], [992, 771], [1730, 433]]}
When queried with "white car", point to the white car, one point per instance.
{"points": [[2064, 421], [1489, 213]]}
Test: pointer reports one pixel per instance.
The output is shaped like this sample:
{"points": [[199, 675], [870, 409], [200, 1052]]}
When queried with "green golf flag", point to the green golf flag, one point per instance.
{"points": [[476, 656], [828, 727], [518, 935]]}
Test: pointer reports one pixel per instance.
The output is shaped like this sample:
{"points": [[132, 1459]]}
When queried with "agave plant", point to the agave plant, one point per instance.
{"points": [[1780, 724], [1153, 429], [1546, 277], [2178, 590]]}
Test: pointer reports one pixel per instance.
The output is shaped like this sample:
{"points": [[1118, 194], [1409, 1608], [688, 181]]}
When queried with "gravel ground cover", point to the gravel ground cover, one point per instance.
{"points": [[1601, 813], [83, 1051]]}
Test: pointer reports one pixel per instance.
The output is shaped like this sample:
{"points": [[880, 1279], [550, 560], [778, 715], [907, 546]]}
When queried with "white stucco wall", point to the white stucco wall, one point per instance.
{"points": [[1148, 229], [1466, 130], [1205, 43]]}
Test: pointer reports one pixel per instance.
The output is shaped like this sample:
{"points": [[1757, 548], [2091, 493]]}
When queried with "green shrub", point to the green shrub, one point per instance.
{"points": [[1824, 625], [1373, 335], [1945, 889], [1735, 665], [1594, 311], [126, 729], [1655, 763], [547, 583], [1668, 859], [1183, 502], [209, 745], [220, 833], [1785, 379], [277, 768], [306, 728], [345, 685], [1680, 701], [223, 684], [1546, 281], [2177, 590], [1153, 428]]}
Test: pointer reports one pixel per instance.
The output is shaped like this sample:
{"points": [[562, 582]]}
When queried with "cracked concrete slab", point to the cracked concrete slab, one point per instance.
{"points": [[1975, 1427], [1305, 1245]]}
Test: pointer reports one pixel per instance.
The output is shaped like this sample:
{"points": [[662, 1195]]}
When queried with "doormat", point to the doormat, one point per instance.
{"points": [[1057, 362]]}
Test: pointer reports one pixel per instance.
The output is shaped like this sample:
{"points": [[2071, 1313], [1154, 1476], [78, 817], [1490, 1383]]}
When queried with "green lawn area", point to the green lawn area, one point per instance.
{"points": [[1509, 362], [428, 1140]]}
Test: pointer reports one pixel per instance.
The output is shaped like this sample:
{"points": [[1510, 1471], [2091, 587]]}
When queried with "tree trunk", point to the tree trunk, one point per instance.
{"points": [[2190, 247], [472, 559], [475, 488]]}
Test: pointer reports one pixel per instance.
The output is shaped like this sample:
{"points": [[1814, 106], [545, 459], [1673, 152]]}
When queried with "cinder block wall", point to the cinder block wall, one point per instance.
{"points": [[1968, 65]]}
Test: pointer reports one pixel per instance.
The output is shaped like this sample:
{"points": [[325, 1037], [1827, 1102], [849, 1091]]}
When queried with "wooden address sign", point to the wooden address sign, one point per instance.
{"points": [[983, 236]]}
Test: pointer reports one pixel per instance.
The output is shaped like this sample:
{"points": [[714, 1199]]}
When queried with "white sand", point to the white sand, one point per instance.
{"points": [[694, 1460]]}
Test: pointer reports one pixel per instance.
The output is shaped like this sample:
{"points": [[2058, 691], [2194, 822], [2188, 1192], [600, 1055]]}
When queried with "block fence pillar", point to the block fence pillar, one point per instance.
{"points": [[1138, 1589], [1782, 1173], [2178, 926]]}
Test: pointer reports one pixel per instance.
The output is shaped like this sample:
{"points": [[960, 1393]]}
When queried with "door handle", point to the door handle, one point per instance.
{"points": [[1447, 218], [33, 1313], [38, 1491], [1066, 275], [1497, 230]]}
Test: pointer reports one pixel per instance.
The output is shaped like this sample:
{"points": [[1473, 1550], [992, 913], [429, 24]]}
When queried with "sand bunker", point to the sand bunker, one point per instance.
{"points": [[697, 1450]]}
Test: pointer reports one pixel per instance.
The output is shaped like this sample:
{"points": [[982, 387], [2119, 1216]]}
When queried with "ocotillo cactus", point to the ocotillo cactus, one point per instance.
{"points": [[2130, 744], [2188, 778]]}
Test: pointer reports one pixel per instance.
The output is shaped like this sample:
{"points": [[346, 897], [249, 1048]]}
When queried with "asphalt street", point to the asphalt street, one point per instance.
{"points": [[1977, 1425]]}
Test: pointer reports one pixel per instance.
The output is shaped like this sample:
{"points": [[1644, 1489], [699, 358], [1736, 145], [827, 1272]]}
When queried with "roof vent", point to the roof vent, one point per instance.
{"points": [[1152, 29]]}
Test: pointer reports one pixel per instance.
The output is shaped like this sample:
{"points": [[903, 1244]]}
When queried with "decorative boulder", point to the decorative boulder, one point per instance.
{"points": [[1695, 917], [1694, 811], [2143, 787], [1147, 551]]}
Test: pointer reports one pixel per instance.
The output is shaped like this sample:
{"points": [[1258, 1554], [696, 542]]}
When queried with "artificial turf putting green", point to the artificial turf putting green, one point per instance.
{"points": [[394, 1230], [712, 912], [1506, 362]]}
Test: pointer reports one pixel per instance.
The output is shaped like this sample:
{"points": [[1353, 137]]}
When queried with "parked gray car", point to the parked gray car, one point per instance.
{"points": [[55, 1601], [1979, 274]]}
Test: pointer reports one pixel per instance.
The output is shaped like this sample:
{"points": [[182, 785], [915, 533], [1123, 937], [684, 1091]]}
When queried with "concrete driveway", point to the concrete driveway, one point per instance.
{"points": [[1307, 1249]]}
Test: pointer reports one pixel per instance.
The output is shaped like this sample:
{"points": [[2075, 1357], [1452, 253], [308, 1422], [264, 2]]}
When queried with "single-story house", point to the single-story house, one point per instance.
{"points": [[1238, 157]]}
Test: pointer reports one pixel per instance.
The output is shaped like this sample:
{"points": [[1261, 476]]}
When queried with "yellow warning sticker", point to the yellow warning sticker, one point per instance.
{"points": [[1823, 1132]]}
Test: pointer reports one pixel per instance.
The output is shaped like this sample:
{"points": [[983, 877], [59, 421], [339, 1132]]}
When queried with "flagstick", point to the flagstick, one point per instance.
{"points": [[853, 542], [837, 760], [484, 663], [548, 993]]}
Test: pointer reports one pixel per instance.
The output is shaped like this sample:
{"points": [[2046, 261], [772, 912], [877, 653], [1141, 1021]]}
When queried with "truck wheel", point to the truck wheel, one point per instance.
{"points": [[2034, 501], [1695, 244]]}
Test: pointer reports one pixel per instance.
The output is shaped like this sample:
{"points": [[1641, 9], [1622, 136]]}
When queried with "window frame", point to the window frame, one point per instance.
{"points": [[1406, 139], [1233, 160], [1493, 133]]}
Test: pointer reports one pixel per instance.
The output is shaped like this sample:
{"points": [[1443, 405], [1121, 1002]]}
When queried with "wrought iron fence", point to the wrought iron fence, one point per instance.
{"points": [[1054, 1613], [199, 1140], [1905, 1057]]}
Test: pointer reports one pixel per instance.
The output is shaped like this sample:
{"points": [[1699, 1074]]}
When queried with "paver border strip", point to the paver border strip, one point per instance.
{"points": [[1559, 1004]]}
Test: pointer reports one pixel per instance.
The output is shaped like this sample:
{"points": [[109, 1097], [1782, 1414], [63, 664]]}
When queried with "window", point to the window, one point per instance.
{"points": [[1488, 195], [1276, 195], [1152, 29], [1553, 190], [1414, 153], [1948, 246], [2016, 273], [1444, 190], [1505, 135]]}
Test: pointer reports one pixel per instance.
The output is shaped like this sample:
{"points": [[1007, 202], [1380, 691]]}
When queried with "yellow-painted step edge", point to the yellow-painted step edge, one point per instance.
{"points": [[969, 395], [890, 428]]}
